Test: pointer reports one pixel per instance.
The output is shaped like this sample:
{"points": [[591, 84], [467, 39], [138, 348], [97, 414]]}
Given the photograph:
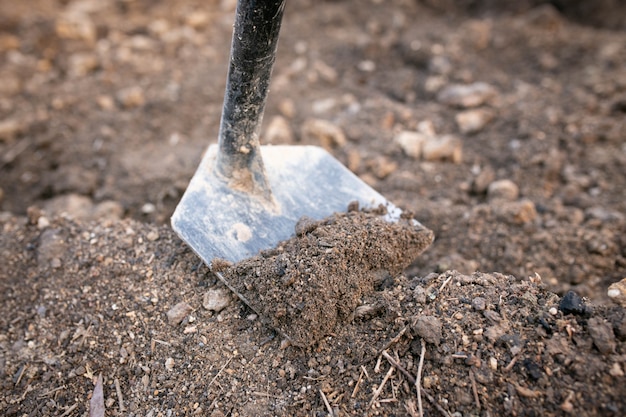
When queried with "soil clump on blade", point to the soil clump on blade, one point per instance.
{"points": [[310, 284]]}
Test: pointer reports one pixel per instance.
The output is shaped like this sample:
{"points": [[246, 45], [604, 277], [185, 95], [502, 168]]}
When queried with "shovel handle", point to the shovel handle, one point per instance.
{"points": [[253, 50]]}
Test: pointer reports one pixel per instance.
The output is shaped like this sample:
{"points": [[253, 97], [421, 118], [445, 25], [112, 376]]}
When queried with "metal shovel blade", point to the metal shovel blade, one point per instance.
{"points": [[219, 222]]}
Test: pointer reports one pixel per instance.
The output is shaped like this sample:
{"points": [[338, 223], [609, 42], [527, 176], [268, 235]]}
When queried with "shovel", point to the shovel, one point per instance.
{"points": [[245, 198]]}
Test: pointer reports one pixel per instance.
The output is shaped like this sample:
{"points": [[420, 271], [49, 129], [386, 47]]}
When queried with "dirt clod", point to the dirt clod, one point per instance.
{"points": [[315, 281]]}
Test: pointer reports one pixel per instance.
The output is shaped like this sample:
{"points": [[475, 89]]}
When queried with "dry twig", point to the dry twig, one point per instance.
{"points": [[358, 382], [474, 389], [411, 379], [328, 407], [381, 387], [218, 374], [120, 398], [418, 380]]}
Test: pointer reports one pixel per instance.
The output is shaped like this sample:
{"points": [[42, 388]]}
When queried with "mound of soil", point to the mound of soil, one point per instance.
{"points": [[309, 285]]}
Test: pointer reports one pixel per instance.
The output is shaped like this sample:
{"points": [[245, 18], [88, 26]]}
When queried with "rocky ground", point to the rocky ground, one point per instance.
{"points": [[502, 128]]}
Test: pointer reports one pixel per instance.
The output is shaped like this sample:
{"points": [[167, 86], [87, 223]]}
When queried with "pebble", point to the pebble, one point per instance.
{"points": [[473, 121], [411, 143], [287, 108], [447, 147], [326, 133], [9, 129], [197, 19], [616, 370], [51, 246], [81, 64], [429, 328], [602, 334], [479, 303], [76, 25], [455, 261], [216, 300], [603, 214], [572, 303], [466, 96], [80, 207], [131, 97], [617, 292], [10, 85], [517, 212], [278, 131], [440, 65], [503, 190], [178, 313], [169, 364], [481, 182]]}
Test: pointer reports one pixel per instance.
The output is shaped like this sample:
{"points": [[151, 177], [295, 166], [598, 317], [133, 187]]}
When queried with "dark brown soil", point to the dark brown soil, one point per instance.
{"points": [[312, 283], [501, 126]]}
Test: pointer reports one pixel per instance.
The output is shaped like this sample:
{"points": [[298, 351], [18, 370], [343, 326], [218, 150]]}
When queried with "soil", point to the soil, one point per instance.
{"points": [[501, 127]]}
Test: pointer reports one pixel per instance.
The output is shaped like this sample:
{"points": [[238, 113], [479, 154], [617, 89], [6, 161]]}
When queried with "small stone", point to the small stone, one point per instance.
{"points": [[8, 42], [447, 147], [411, 143], [616, 370], [517, 212], [42, 222], [482, 180], [197, 19], [603, 214], [287, 108], [602, 335], [553, 311], [9, 129], [79, 207], [365, 311], [493, 363], [106, 102], [169, 364], [434, 83], [51, 248], [76, 25], [465, 96], [479, 303], [327, 134], [504, 190], [456, 262], [429, 328], [572, 303], [617, 292], [81, 64], [216, 300], [107, 210], [278, 131], [148, 208], [152, 235], [305, 225], [177, 313], [440, 65], [473, 121], [131, 97]]}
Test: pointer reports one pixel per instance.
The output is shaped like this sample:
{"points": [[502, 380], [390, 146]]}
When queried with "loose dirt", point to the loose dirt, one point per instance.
{"points": [[309, 285], [500, 126]]}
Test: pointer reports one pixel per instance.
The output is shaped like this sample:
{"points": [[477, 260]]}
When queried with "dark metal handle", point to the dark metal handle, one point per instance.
{"points": [[255, 38]]}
